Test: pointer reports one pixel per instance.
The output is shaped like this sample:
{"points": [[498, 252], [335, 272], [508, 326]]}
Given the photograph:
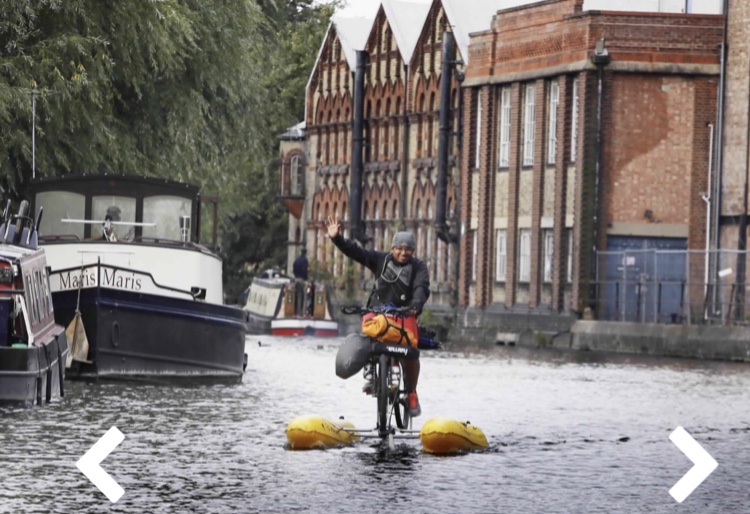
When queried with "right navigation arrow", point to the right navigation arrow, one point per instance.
{"points": [[704, 464]]}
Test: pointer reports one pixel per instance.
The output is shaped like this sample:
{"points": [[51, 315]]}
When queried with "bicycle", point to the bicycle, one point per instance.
{"points": [[382, 364]]}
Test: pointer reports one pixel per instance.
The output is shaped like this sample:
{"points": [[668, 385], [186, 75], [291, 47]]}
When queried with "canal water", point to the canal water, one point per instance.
{"points": [[568, 433]]}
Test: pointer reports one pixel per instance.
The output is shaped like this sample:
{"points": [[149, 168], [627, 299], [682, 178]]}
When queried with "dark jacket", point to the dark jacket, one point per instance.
{"points": [[413, 291], [300, 267]]}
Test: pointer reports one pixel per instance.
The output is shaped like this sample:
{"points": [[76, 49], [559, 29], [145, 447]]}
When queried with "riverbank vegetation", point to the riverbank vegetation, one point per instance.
{"points": [[181, 89]]}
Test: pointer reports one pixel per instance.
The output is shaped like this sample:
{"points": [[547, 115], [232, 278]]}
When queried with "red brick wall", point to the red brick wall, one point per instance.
{"points": [[651, 55], [654, 146], [540, 36]]}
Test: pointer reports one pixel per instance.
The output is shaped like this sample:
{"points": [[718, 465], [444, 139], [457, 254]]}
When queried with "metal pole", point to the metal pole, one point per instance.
{"points": [[355, 178], [708, 199], [33, 133]]}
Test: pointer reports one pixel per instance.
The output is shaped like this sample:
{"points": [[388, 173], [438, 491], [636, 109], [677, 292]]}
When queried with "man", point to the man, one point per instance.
{"points": [[108, 229], [400, 279], [300, 269], [300, 265]]}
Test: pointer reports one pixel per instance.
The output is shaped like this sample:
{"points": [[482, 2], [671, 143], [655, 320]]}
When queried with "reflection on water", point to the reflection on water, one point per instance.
{"points": [[568, 432]]}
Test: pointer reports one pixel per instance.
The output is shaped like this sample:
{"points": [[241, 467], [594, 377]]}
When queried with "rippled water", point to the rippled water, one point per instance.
{"points": [[565, 436]]}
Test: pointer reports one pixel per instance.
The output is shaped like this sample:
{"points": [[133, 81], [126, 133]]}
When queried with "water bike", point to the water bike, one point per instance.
{"points": [[381, 359]]}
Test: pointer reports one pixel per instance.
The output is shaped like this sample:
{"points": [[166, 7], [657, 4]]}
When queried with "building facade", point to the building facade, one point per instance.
{"points": [[589, 131], [581, 141]]}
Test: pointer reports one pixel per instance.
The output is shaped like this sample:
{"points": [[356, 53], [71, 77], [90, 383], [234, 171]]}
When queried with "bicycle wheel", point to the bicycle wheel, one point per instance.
{"points": [[399, 404], [383, 395]]}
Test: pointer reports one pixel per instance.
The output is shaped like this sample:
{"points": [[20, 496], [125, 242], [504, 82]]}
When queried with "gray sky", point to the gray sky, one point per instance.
{"points": [[361, 7]]}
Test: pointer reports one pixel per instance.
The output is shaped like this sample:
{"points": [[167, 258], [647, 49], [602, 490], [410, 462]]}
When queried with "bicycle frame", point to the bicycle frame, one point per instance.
{"points": [[390, 402]]}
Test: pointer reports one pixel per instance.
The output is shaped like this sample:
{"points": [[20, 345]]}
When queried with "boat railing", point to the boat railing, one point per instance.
{"points": [[195, 293], [167, 242], [60, 237]]}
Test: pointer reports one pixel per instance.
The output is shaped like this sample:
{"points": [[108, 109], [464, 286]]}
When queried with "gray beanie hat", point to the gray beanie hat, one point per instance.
{"points": [[403, 239]]}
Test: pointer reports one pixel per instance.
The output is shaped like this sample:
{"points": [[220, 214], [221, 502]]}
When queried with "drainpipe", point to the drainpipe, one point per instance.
{"points": [[449, 50], [601, 58], [719, 162], [405, 153], [355, 184], [707, 198]]}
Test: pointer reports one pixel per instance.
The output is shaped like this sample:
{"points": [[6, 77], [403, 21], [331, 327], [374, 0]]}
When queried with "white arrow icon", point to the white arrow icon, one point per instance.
{"points": [[703, 466], [89, 464]]}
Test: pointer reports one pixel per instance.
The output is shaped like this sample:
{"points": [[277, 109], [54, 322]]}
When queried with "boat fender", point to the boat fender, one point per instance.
{"points": [[48, 390], [60, 368], [38, 376], [352, 355]]}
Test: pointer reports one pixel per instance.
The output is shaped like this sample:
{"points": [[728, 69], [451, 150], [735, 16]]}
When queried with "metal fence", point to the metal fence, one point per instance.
{"points": [[672, 286]]}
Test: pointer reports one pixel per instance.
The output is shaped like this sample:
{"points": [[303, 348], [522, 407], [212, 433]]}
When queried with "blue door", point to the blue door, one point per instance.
{"points": [[644, 279]]}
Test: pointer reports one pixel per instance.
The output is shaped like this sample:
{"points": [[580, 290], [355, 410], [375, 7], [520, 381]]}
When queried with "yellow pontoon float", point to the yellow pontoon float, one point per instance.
{"points": [[306, 432], [444, 436]]}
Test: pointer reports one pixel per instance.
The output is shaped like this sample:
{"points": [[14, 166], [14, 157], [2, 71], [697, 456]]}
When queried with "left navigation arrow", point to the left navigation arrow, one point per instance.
{"points": [[89, 464]]}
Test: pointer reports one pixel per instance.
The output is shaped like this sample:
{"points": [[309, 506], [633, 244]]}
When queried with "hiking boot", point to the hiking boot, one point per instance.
{"points": [[412, 401]]}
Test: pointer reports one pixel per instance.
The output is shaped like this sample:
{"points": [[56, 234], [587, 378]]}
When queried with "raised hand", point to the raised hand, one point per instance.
{"points": [[333, 225]]}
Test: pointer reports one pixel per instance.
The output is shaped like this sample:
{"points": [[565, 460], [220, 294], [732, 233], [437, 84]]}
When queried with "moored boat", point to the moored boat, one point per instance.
{"points": [[283, 306], [126, 260], [33, 348]]}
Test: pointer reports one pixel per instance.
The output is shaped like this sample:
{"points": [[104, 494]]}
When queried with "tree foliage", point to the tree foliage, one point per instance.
{"points": [[189, 90]]}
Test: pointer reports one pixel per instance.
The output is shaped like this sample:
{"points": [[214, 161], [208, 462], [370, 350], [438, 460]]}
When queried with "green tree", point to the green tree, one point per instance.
{"points": [[183, 89]]}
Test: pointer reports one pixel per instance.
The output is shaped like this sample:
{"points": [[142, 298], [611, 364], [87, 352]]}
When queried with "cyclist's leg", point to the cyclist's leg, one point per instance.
{"points": [[411, 377], [411, 374]]}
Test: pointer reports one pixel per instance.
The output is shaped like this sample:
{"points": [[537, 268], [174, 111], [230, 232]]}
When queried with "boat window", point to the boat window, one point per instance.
{"points": [[31, 299], [59, 205], [47, 292], [119, 208], [37, 295], [166, 212]]}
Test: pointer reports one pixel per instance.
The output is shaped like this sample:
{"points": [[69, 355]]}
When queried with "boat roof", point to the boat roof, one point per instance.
{"points": [[93, 182], [14, 252]]}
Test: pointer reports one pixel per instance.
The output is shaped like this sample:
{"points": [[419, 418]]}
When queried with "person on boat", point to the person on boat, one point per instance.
{"points": [[401, 280], [108, 229], [301, 266], [300, 269]]}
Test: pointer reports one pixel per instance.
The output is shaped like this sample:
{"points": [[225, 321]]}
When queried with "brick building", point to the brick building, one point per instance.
{"points": [[403, 48], [588, 130], [582, 132]]}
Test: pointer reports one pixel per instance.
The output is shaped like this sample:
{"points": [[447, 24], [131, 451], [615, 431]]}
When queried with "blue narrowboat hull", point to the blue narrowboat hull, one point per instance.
{"points": [[134, 335]]}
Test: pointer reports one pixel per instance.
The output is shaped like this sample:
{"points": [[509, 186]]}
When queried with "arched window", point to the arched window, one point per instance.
{"points": [[298, 176]]}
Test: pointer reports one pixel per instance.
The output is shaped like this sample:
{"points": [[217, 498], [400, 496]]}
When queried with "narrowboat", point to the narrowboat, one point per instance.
{"points": [[33, 348], [283, 306], [127, 261]]}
